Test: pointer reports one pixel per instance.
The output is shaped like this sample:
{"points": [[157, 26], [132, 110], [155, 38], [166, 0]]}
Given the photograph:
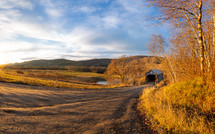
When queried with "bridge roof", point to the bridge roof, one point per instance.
{"points": [[154, 71]]}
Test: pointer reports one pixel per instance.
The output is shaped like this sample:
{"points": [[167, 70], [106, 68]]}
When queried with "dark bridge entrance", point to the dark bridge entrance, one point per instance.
{"points": [[150, 78]]}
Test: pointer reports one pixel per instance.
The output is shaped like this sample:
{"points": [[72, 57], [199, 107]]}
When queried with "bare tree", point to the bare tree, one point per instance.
{"points": [[188, 13], [157, 47]]}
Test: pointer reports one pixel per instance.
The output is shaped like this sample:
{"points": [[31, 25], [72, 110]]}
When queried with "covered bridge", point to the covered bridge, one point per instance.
{"points": [[154, 75]]}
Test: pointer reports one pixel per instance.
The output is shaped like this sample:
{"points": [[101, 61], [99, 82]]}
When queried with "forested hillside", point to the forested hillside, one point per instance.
{"points": [[60, 63], [66, 64]]}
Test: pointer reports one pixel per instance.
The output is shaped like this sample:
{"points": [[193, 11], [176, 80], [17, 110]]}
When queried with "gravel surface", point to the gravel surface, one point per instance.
{"points": [[30, 109]]}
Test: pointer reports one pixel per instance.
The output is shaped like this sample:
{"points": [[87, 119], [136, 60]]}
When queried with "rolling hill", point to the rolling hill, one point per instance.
{"points": [[60, 63], [64, 63]]}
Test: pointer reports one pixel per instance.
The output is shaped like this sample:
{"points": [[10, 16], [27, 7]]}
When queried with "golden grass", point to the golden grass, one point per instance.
{"points": [[50, 79], [185, 107], [52, 73]]}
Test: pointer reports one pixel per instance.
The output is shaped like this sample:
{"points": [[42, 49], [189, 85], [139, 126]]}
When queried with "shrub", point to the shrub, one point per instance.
{"points": [[19, 72]]}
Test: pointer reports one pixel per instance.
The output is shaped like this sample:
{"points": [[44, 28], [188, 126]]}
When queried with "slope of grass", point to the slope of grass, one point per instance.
{"points": [[52, 78], [185, 107], [62, 75]]}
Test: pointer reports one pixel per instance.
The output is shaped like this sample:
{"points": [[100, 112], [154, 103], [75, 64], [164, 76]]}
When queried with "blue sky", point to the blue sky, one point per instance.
{"points": [[73, 29]]}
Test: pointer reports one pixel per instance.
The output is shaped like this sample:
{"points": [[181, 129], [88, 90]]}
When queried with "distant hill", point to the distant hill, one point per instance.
{"points": [[60, 63], [63, 63]]}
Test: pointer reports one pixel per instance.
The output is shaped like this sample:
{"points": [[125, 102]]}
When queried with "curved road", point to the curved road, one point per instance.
{"points": [[31, 109]]}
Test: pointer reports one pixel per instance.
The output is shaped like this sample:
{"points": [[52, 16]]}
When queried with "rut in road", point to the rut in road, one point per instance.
{"points": [[31, 109]]}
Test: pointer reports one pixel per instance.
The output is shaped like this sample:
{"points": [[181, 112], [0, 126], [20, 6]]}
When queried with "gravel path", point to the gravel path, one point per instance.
{"points": [[29, 109]]}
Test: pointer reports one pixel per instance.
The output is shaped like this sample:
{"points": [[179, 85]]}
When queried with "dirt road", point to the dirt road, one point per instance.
{"points": [[31, 109]]}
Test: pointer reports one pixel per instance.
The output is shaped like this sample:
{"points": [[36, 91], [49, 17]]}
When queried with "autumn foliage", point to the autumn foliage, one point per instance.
{"points": [[130, 70], [187, 103]]}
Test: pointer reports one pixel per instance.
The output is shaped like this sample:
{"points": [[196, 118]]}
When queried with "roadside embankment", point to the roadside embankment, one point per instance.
{"points": [[184, 107]]}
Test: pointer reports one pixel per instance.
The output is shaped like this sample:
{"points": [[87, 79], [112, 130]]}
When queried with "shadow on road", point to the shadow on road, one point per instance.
{"points": [[29, 109]]}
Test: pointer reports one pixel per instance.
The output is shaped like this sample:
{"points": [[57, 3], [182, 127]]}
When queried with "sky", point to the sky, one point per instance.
{"points": [[74, 29]]}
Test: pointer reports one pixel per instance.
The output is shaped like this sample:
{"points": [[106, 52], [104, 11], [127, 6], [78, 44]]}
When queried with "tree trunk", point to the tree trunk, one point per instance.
{"points": [[200, 39], [213, 56]]}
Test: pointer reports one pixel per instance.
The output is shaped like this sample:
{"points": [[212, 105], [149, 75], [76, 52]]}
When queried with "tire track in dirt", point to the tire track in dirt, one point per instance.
{"points": [[30, 109]]}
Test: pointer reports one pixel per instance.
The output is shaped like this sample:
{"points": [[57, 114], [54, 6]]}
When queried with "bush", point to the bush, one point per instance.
{"points": [[19, 72], [185, 107]]}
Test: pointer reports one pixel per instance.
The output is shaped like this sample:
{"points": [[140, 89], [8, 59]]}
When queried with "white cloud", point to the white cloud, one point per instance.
{"points": [[6, 18], [107, 21], [7, 15], [76, 42], [54, 12], [111, 21], [15, 51], [8, 4], [23, 37], [87, 9], [52, 8], [131, 6]]}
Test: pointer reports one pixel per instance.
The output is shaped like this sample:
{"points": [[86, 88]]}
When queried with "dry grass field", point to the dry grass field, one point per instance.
{"points": [[53, 78], [184, 107]]}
